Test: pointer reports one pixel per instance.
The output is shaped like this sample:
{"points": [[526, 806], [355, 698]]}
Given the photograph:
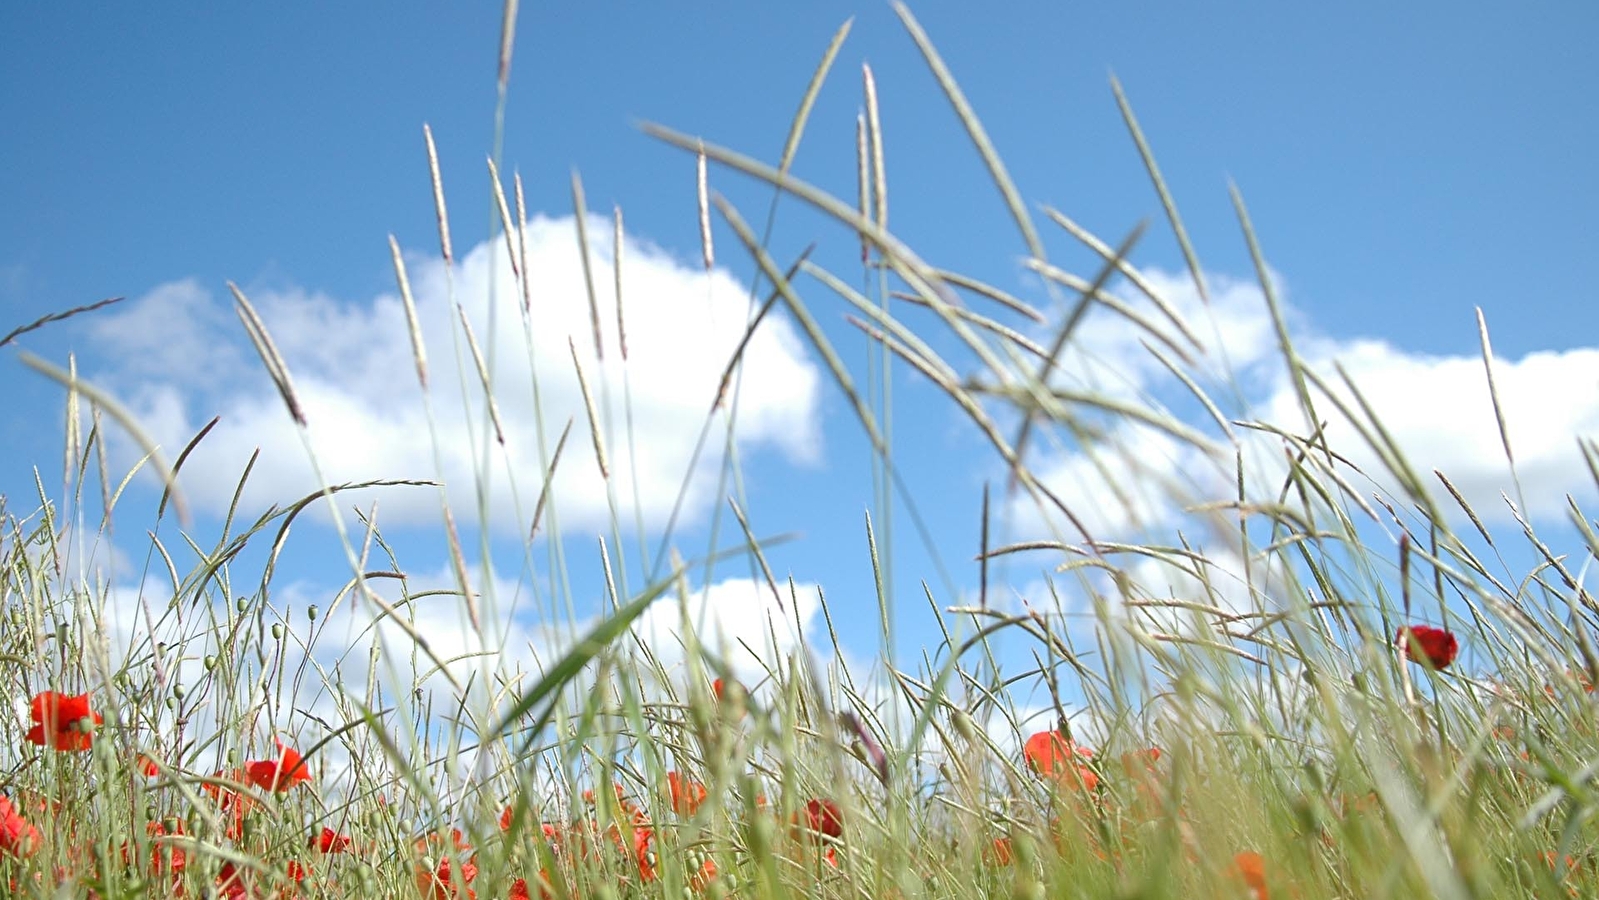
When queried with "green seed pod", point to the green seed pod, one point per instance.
{"points": [[277, 631], [311, 613], [210, 663], [177, 691], [241, 604]]}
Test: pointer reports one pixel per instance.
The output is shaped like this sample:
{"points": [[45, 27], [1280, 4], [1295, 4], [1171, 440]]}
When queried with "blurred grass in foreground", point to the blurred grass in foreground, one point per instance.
{"points": [[1292, 722]]}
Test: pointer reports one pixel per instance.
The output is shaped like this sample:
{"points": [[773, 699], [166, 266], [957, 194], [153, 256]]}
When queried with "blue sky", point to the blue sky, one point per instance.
{"points": [[1402, 166]]}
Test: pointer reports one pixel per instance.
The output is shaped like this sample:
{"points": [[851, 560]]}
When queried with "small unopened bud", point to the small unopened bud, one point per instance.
{"points": [[964, 726]]}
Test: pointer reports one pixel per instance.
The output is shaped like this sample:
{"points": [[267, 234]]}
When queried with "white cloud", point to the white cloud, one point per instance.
{"points": [[739, 619], [181, 357], [1439, 411], [1436, 407]]}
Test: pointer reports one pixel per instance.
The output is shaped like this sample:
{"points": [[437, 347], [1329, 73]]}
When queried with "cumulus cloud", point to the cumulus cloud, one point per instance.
{"points": [[739, 619], [1439, 410], [1134, 480], [181, 357]]}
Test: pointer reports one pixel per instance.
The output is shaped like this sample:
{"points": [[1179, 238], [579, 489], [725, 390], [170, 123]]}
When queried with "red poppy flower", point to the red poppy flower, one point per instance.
{"points": [[621, 794], [1053, 754], [278, 774], [687, 794], [1576, 675], [643, 852], [1438, 647], [823, 818], [433, 841], [165, 857], [1250, 868], [730, 696], [147, 766], [519, 888], [330, 841], [62, 722], [234, 883], [702, 879], [999, 853], [231, 801], [440, 884], [18, 836]]}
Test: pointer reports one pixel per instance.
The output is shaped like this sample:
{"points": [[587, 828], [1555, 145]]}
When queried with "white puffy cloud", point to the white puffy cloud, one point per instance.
{"points": [[180, 356], [1440, 413], [1137, 480], [740, 619]]}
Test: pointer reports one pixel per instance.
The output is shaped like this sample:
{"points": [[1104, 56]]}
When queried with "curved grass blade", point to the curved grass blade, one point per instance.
{"points": [[572, 663], [974, 128], [124, 418], [1166, 201]]}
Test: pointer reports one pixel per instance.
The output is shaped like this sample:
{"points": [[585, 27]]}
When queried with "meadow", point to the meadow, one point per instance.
{"points": [[1343, 690]]}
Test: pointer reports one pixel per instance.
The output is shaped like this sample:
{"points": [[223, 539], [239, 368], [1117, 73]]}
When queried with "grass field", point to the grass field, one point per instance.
{"points": [[1352, 695]]}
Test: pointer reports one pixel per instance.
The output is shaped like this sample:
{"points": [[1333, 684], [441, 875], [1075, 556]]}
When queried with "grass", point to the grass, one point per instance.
{"points": [[1246, 722]]}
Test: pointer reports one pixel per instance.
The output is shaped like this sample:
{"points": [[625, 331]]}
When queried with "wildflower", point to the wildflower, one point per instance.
{"points": [[621, 794], [717, 689], [702, 878], [1555, 862], [999, 853], [1250, 868], [1144, 760], [1436, 645], [433, 840], [687, 794], [1579, 677], [278, 774], [507, 817], [519, 888], [18, 837], [62, 722], [823, 818], [552, 833], [1053, 754], [643, 851], [165, 857], [147, 766], [439, 883], [230, 801], [230, 883], [330, 841]]}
